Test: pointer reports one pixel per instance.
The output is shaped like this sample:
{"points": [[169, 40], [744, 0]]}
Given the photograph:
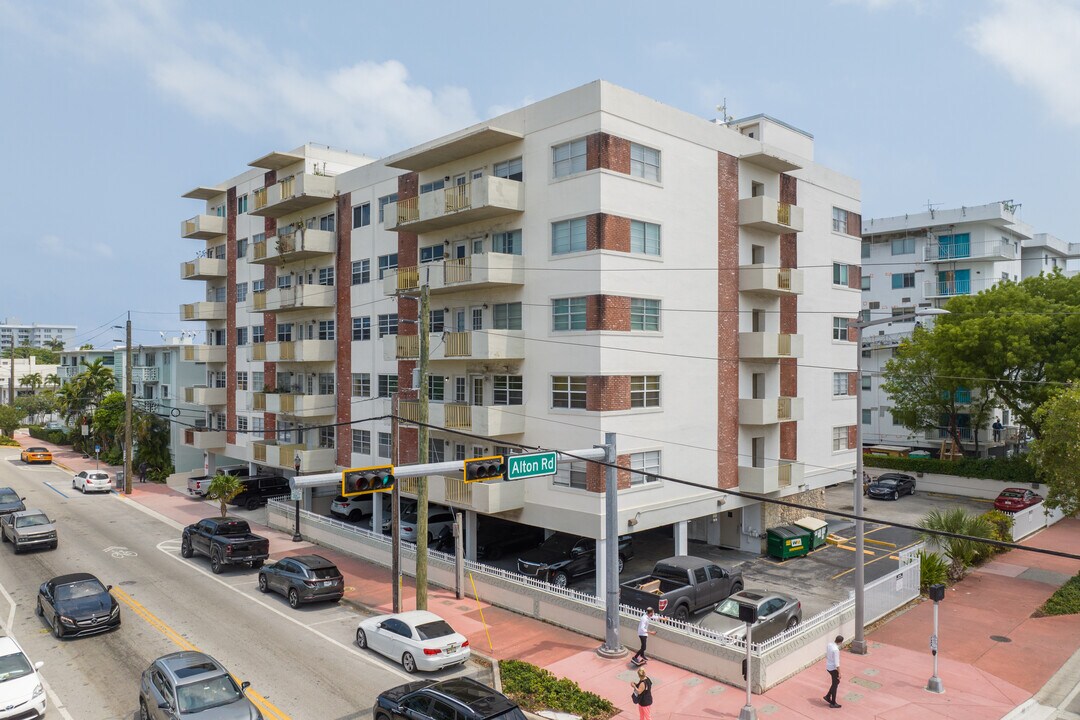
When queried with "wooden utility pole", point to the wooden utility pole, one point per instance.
{"points": [[395, 513], [11, 374], [422, 441], [127, 412]]}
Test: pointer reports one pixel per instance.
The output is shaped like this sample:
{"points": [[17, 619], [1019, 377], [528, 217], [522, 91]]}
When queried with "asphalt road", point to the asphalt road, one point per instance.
{"points": [[302, 664]]}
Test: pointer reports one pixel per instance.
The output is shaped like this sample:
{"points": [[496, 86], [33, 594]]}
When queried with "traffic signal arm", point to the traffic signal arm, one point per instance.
{"points": [[484, 468], [364, 481]]}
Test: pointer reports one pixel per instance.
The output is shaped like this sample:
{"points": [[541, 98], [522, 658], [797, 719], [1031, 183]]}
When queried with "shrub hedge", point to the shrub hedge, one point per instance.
{"points": [[57, 437], [1066, 601], [535, 688], [1014, 469], [6, 441]]}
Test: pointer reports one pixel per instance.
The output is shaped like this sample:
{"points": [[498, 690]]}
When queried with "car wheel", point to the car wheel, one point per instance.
{"points": [[560, 579], [682, 613], [15, 545], [58, 631], [256, 564], [793, 622], [144, 714], [185, 549], [408, 662], [621, 563], [294, 599], [215, 563], [253, 504], [361, 639], [72, 483], [896, 495], [264, 586], [37, 609], [736, 588], [356, 516], [3, 537], [912, 491]]}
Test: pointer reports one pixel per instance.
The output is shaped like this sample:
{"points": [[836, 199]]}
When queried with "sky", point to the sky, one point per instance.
{"points": [[114, 109]]}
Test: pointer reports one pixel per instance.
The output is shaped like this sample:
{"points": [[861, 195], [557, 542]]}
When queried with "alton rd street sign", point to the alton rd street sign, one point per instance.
{"points": [[519, 467]]}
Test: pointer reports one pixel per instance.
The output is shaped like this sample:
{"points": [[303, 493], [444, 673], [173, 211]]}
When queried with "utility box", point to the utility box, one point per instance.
{"points": [[787, 541], [818, 529]]}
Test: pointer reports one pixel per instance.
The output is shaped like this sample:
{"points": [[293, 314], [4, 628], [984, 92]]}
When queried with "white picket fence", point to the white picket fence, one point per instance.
{"points": [[1033, 519]]}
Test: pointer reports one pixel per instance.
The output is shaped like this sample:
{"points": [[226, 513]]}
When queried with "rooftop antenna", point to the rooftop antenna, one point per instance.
{"points": [[932, 206], [724, 117]]}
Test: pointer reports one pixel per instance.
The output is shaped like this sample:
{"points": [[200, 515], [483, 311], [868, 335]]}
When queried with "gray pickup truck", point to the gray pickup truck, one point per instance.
{"points": [[199, 484], [680, 586], [226, 541]]}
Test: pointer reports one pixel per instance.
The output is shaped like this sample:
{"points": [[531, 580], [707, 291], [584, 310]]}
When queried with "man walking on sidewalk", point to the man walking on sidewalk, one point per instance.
{"points": [[832, 665], [643, 633]]}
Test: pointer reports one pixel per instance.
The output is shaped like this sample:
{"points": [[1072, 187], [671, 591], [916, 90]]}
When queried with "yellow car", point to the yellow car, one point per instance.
{"points": [[36, 455]]}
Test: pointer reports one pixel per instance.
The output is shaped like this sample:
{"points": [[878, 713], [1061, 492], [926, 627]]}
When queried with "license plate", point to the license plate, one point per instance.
{"points": [[327, 583], [451, 650]]}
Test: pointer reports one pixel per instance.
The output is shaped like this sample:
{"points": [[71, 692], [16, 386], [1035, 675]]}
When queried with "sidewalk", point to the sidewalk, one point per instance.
{"points": [[984, 678]]}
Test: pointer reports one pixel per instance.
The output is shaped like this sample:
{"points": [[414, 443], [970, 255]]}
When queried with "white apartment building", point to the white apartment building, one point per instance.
{"points": [[34, 335], [1045, 253], [597, 262], [23, 368]]}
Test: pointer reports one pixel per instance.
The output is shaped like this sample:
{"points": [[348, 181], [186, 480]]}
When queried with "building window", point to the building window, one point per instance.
{"points": [[258, 286], [361, 215], [506, 316], [258, 237], [508, 390], [326, 437], [326, 275], [361, 328], [258, 381], [865, 282], [361, 385], [387, 385], [431, 253], [435, 388], [326, 383], [241, 335], [644, 314], [568, 313], [284, 332], [436, 321], [644, 391], [385, 445], [568, 236], [644, 238], [241, 292], [575, 477], [241, 380], [361, 442], [508, 243], [839, 384], [383, 202], [865, 250], [867, 382], [840, 274], [568, 391], [644, 162], [903, 280], [647, 462], [839, 438], [326, 329], [568, 158], [432, 186], [361, 272], [903, 246], [241, 423], [241, 247], [866, 416], [840, 328], [388, 324], [387, 262], [839, 220], [241, 204], [284, 281], [258, 333], [509, 169], [328, 222]]}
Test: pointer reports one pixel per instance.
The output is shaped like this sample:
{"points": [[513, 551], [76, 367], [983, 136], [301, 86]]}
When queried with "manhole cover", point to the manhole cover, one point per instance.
{"points": [[1000, 638]]}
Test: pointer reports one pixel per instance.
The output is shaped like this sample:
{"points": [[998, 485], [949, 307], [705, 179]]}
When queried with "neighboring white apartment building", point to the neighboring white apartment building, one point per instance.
{"points": [[597, 262], [34, 335], [23, 368]]}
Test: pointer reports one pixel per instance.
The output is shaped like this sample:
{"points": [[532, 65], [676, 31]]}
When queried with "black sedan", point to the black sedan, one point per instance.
{"points": [[890, 486], [77, 604], [461, 698]]}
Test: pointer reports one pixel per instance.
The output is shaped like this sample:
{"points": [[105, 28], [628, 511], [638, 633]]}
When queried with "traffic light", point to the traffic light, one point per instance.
{"points": [[362, 481], [484, 468]]}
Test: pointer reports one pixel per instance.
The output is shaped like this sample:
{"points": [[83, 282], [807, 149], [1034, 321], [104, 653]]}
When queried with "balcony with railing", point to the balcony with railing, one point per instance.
{"points": [[770, 280], [203, 227], [768, 411], [494, 496], [487, 270], [203, 439], [294, 245], [779, 475], [145, 374], [202, 269], [298, 404], [204, 353], [301, 351], [999, 249], [769, 346], [468, 345], [203, 395], [203, 310], [488, 420], [962, 286], [770, 215], [481, 199], [296, 297], [292, 194], [284, 456]]}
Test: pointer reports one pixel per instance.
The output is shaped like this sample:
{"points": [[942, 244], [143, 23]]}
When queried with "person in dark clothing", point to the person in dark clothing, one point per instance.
{"points": [[142, 471], [832, 666], [643, 691], [643, 632]]}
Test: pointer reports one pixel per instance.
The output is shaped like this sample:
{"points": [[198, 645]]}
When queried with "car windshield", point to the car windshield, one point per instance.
{"points": [[44, 450], [204, 694], [409, 518], [1014, 495], [79, 590], [32, 520], [729, 608], [14, 666], [559, 542], [98, 476], [434, 629], [325, 573], [7, 495], [890, 482]]}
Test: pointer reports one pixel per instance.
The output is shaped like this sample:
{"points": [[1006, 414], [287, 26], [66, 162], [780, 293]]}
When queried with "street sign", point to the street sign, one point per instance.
{"points": [[296, 494], [520, 467], [933, 643], [97, 448]]}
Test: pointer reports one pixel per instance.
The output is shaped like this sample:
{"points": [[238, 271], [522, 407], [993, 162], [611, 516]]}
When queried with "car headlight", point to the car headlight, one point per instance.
{"points": [[66, 619], [115, 611], [38, 690]]}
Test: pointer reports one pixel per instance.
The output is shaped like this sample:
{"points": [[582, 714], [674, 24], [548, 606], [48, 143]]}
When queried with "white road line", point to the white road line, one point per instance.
{"points": [[348, 648], [339, 618]]}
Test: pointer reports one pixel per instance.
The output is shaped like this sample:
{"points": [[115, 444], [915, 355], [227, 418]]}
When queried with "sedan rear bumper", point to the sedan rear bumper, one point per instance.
{"points": [[431, 663]]}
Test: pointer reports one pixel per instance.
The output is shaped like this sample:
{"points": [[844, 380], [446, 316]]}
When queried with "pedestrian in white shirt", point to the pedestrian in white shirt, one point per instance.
{"points": [[643, 633], [832, 665]]}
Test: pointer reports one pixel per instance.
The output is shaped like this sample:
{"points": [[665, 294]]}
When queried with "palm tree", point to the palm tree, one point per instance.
{"points": [[960, 552], [56, 345], [52, 380], [224, 488], [98, 380], [33, 380]]}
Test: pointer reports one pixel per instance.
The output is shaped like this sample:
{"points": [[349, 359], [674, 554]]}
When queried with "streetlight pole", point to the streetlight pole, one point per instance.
{"points": [[858, 645]]}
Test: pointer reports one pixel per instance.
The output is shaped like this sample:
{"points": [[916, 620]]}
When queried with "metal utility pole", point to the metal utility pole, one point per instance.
{"points": [[422, 455], [127, 412], [395, 518], [612, 647], [748, 711]]}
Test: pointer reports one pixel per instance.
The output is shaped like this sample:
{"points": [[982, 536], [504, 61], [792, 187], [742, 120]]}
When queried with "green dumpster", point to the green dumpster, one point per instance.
{"points": [[787, 541], [922, 454], [818, 529]]}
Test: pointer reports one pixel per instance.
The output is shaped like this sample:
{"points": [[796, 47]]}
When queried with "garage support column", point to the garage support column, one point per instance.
{"points": [[681, 533], [253, 469], [470, 535], [309, 499], [601, 568], [211, 463], [377, 513]]}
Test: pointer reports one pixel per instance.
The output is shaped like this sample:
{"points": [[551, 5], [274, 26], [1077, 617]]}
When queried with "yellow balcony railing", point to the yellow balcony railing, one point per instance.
{"points": [[408, 346], [258, 251], [258, 300], [288, 186], [783, 213], [258, 352], [258, 452], [783, 474], [783, 279], [258, 199], [458, 197], [408, 210], [287, 350], [409, 410], [783, 344], [288, 403], [458, 416], [458, 492], [408, 485], [258, 401], [188, 311], [458, 344], [458, 270], [408, 278], [783, 408]]}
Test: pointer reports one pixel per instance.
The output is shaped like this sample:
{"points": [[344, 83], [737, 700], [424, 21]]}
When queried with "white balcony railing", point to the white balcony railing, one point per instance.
{"points": [[770, 215]]}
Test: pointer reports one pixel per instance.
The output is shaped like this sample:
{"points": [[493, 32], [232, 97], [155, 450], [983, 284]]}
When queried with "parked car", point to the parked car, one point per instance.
{"points": [[458, 698], [198, 484], [10, 501], [36, 455], [358, 507], [55, 425], [495, 537], [439, 519], [22, 694], [186, 684], [92, 481], [226, 541], [77, 604], [680, 586], [418, 639], [1016, 499], [406, 506], [890, 486], [28, 529], [776, 613], [257, 490], [303, 579], [562, 557]]}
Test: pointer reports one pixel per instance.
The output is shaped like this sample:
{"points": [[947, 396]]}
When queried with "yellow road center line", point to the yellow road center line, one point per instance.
{"points": [[265, 706]]}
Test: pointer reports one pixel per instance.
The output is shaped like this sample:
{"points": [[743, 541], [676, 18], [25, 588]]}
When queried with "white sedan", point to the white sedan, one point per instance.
{"points": [[418, 639], [92, 481], [20, 684]]}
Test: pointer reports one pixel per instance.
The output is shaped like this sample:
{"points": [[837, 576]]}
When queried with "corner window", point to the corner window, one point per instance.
{"points": [[361, 215], [840, 328], [568, 391], [839, 220], [388, 324], [568, 158], [840, 274], [644, 238], [385, 445], [326, 275], [241, 204], [383, 202], [568, 313], [508, 243], [649, 465], [326, 329], [387, 262], [361, 442], [575, 477], [436, 321], [387, 385], [436, 385], [865, 282], [361, 385], [432, 186], [644, 391], [839, 384], [508, 390], [839, 438], [431, 253], [644, 162], [568, 236], [644, 314]]}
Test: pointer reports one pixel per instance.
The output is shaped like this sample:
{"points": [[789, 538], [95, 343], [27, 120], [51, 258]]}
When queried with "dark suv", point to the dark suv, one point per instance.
{"points": [[562, 557], [459, 698], [303, 579], [257, 490]]}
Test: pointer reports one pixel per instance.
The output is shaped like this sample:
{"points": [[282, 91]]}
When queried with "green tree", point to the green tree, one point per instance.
{"points": [[1056, 452], [224, 488], [86, 346], [31, 380], [34, 406], [52, 380], [97, 380], [10, 419], [108, 423], [960, 552], [44, 355], [56, 345], [151, 437]]}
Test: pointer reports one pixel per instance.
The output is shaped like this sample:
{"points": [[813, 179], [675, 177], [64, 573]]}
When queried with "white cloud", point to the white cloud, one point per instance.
{"points": [[102, 249], [1035, 43]]}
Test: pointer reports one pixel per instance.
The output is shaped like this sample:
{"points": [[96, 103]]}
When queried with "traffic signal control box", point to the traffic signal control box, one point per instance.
{"points": [[363, 481], [484, 468]]}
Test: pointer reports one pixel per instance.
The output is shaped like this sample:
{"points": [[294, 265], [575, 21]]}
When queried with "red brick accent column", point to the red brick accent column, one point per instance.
{"points": [[789, 323], [607, 392], [596, 475], [230, 315], [854, 224], [407, 308], [607, 232], [269, 319], [607, 312], [343, 330], [851, 435], [854, 277], [608, 152], [727, 321], [852, 383]]}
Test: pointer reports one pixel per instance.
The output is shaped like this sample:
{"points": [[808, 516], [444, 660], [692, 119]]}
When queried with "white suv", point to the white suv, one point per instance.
{"points": [[355, 509], [22, 694]]}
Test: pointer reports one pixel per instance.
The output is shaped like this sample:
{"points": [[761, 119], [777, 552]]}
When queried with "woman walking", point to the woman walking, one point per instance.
{"points": [[643, 693]]}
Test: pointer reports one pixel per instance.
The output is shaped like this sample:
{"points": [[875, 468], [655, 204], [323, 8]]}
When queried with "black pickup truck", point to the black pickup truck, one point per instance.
{"points": [[680, 586], [226, 541]]}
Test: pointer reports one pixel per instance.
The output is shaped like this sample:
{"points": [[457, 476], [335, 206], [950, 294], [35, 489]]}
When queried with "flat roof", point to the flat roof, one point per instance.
{"points": [[770, 118], [276, 160], [444, 150], [204, 192]]}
